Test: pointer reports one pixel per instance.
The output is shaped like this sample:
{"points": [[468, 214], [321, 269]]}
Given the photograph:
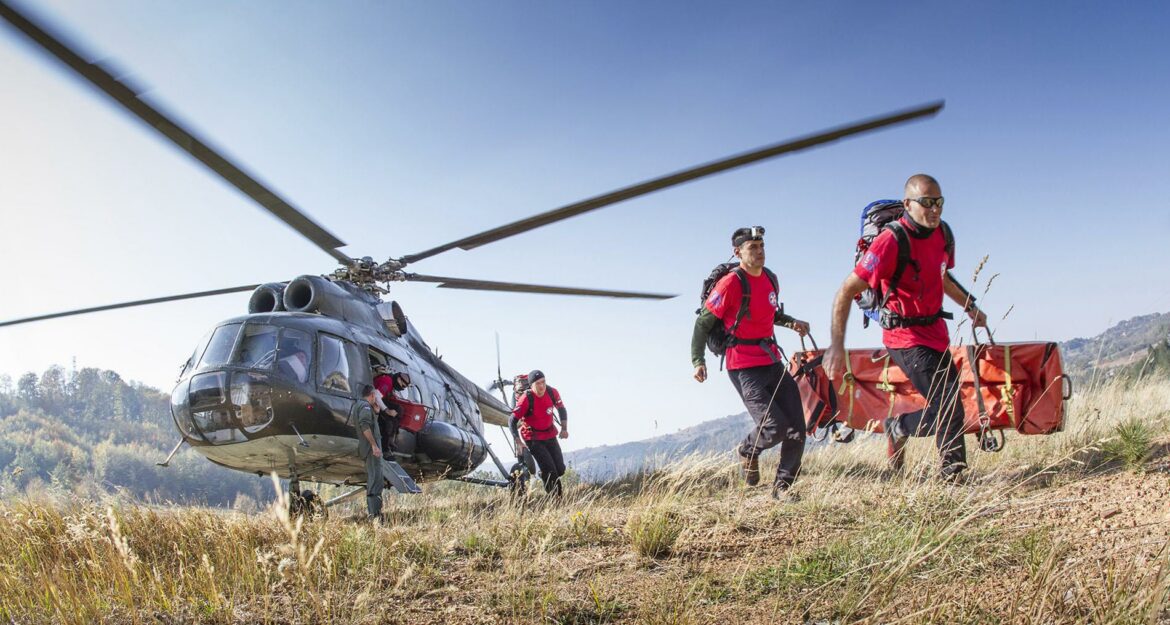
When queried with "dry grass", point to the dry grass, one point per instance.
{"points": [[1063, 529]]}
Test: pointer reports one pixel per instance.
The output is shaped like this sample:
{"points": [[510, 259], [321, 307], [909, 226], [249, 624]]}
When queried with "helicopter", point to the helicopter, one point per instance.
{"points": [[272, 391]]}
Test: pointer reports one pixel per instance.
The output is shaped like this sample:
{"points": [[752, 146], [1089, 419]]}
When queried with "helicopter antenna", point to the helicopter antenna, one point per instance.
{"points": [[500, 371]]}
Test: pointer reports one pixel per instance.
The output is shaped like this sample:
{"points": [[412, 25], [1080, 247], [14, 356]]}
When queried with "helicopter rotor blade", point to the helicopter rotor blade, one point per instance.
{"points": [[181, 137], [141, 302], [679, 177], [516, 287]]}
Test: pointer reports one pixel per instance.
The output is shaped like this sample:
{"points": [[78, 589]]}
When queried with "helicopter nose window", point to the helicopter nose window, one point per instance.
{"points": [[220, 346], [295, 355], [257, 347]]}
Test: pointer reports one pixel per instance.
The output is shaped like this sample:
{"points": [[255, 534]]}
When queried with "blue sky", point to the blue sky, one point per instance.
{"points": [[400, 125]]}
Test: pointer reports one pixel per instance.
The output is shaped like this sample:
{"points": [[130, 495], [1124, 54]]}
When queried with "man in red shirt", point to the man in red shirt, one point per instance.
{"points": [[533, 419], [387, 408], [754, 361], [914, 329]]}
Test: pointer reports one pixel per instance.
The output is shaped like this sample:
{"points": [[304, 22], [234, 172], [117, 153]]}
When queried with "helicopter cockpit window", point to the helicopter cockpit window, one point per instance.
{"points": [[333, 366], [220, 346], [294, 356], [257, 348]]}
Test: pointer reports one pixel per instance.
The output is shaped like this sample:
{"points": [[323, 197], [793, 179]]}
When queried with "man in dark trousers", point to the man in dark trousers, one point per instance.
{"points": [[532, 419], [387, 409], [914, 329], [754, 361], [369, 449]]}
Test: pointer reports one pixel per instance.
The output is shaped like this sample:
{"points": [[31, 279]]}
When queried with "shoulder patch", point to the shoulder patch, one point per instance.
{"points": [[869, 261]]}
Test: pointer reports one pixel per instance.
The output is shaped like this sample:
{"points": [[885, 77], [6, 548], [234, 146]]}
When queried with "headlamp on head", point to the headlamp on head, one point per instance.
{"points": [[743, 235]]}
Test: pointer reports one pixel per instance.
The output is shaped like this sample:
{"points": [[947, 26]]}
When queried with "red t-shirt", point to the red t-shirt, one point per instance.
{"points": [[385, 385], [723, 302], [539, 426], [919, 293]]}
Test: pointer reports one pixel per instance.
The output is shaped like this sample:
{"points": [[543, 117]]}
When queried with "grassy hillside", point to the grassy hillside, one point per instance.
{"points": [[92, 433], [1070, 528]]}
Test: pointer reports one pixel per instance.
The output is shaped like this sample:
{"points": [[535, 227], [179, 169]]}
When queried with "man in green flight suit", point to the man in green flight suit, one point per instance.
{"points": [[371, 454]]}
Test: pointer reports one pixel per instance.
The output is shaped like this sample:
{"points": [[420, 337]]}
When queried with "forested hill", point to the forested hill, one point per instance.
{"points": [[1138, 346], [91, 432]]}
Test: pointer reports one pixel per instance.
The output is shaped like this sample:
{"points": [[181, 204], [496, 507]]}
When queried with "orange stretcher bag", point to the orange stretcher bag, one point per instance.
{"points": [[1022, 387]]}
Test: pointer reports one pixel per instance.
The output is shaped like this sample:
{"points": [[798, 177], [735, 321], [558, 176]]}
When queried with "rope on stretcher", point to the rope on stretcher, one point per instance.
{"points": [[849, 382], [885, 385], [1005, 392]]}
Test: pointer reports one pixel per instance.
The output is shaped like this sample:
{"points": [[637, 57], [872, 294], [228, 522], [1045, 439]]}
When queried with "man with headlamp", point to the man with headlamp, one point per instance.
{"points": [[744, 304]]}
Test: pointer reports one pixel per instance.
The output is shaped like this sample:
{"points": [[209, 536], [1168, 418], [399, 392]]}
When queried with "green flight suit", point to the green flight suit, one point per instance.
{"points": [[374, 480]]}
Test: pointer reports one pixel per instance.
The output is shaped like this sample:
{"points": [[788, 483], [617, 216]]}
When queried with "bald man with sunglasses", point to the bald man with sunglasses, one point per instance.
{"points": [[914, 328]]}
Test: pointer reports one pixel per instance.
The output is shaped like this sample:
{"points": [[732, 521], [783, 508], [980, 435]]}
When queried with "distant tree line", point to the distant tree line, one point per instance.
{"points": [[90, 432]]}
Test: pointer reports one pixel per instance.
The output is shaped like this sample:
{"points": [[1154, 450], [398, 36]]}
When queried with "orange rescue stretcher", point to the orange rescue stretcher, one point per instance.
{"points": [[1023, 387]]}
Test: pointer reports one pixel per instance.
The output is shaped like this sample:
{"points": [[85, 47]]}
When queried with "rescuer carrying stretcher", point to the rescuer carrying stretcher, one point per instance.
{"points": [[737, 319], [907, 266]]}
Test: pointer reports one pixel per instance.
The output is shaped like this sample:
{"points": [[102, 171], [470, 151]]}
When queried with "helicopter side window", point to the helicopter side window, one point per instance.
{"points": [[294, 356], [195, 355], [358, 375], [413, 394], [220, 346], [257, 348], [333, 366]]}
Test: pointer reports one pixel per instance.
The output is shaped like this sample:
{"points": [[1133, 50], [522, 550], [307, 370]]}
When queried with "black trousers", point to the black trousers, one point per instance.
{"points": [[389, 428], [772, 399], [551, 462], [934, 375]]}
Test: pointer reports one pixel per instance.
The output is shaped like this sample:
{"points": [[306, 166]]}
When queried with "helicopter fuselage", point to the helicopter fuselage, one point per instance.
{"points": [[275, 393]]}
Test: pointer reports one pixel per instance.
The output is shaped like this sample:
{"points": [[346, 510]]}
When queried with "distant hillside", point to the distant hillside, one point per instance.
{"points": [[90, 432], [1133, 347], [611, 461]]}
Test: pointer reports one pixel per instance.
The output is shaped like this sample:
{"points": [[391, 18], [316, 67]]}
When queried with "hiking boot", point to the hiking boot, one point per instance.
{"points": [[953, 473], [751, 470], [783, 493], [895, 445]]}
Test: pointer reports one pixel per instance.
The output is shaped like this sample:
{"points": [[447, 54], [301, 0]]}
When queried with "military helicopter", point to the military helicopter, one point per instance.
{"points": [[272, 391]]}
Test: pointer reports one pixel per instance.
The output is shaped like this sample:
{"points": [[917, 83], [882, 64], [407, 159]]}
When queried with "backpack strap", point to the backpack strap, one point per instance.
{"points": [[744, 300], [903, 259], [531, 398], [948, 240]]}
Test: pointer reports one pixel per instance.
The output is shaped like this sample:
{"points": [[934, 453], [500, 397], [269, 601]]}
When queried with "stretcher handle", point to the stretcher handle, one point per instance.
{"points": [[814, 342], [975, 336]]}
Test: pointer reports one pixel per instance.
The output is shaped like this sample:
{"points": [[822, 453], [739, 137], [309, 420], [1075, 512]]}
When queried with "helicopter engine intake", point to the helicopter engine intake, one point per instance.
{"points": [[267, 298], [314, 294]]}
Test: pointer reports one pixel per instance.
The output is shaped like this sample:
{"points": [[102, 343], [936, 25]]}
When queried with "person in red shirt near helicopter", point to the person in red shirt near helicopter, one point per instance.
{"points": [[533, 419]]}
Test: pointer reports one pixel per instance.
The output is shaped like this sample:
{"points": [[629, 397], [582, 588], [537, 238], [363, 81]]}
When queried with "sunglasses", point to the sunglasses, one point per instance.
{"points": [[929, 202]]}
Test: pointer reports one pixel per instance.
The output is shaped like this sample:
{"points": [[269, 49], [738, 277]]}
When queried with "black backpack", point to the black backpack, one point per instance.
{"points": [[719, 338], [883, 215]]}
